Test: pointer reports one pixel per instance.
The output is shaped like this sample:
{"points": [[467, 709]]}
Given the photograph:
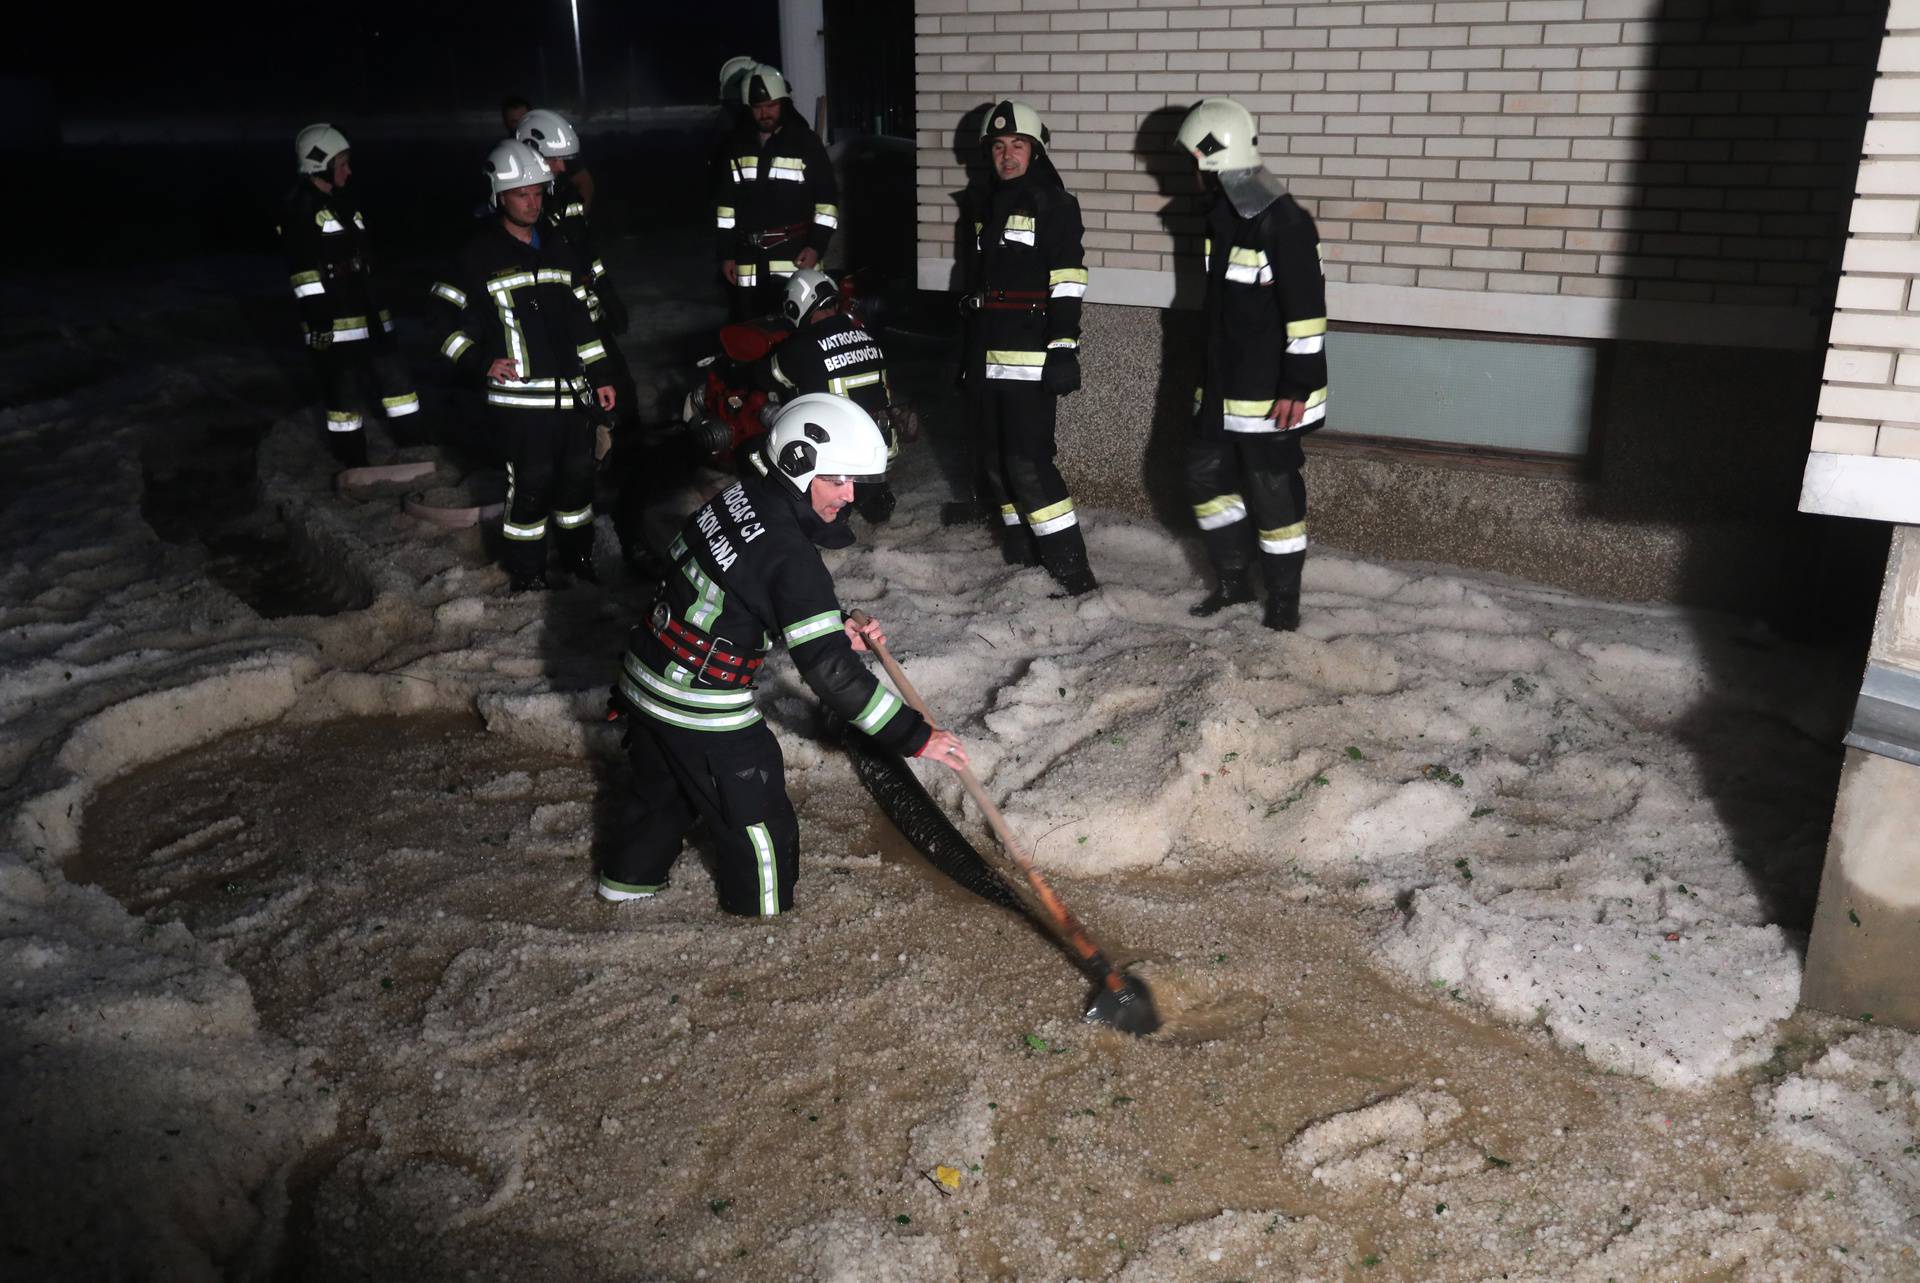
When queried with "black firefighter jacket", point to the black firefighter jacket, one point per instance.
{"points": [[511, 299], [324, 236], [566, 215], [1027, 274], [783, 184], [835, 355], [1266, 318], [746, 570]]}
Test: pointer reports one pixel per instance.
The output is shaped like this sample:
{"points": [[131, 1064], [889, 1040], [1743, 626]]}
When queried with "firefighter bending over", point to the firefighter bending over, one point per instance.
{"points": [[831, 351], [746, 570]]}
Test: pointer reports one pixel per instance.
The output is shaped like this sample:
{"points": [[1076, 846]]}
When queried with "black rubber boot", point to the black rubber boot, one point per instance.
{"points": [[1282, 573], [1017, 548], [963, 512], [1232, 590], [1076, 583], [1283, 613], [349, 449]]}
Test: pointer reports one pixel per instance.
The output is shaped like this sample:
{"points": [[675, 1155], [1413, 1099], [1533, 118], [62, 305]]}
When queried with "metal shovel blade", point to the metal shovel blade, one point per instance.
{"points": [[1128, 1008]]}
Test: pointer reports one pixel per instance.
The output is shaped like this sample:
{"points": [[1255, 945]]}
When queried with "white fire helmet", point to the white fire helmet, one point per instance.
{"points": [[807, 289], [763, 84], [512, 164], [315, 147], [1009, 116], [548, 132], [1221, 136], [823, 435], [732, 72]]}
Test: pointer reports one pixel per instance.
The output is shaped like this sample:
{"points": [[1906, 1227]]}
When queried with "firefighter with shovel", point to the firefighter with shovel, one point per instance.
{"points": [[746, 570]]}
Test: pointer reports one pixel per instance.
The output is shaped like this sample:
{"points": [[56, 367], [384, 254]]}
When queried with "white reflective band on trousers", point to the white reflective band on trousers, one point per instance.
{"points": [[1223, 515], [1051, 519]]}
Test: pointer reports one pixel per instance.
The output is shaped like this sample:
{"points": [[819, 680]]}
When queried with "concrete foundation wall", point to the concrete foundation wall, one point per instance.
{"points": [[1866, 931], [1689, 495]]}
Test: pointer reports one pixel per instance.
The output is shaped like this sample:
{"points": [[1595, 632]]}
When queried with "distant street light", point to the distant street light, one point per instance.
{"points": [[579, 63]]}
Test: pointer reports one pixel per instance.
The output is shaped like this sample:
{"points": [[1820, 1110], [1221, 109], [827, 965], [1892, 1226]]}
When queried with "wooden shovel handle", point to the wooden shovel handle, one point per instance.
{"points": [[1064, 922]]}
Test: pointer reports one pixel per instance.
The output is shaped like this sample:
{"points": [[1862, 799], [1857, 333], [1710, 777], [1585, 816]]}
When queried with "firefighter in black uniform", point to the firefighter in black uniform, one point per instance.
{"points": [[735, 116], [746, 570], [349, 334], [565, 217], [776, 212], [1025, 281], [517, 323], [831, 351], [1266, 367]]}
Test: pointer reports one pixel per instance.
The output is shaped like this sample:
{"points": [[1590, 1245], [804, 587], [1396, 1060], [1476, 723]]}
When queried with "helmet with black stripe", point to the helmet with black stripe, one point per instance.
{"points": [[1010, 116], [1221, 136], [549, 132], [826, 436], [764, 84], [513, 164], [732, 73], [316, 146], [807, 289]]}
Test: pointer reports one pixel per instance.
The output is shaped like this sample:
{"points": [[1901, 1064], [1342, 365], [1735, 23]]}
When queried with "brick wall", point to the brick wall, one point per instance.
{"points": [[1695, 152], [1870, 401]]}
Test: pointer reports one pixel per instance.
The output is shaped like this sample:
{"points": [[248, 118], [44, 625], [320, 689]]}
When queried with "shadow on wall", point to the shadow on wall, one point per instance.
{"points": [[953, 447], [967, 154], [1741, 181], [1181, 195]]}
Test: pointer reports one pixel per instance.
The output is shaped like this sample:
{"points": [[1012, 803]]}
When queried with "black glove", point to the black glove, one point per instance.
{"points": [[318, 339], [1061, 374]]}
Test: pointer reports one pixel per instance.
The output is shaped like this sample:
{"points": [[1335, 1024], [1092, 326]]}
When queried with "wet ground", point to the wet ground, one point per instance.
{"points": [[535, 1084]]}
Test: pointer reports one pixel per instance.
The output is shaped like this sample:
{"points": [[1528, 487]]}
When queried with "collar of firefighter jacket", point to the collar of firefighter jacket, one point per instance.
{"points": [[837, 533], [1040, 173]]}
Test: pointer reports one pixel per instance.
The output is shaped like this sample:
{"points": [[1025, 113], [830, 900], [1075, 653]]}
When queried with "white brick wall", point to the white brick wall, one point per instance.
{"points": [[1868, 430], [1645, 151]]}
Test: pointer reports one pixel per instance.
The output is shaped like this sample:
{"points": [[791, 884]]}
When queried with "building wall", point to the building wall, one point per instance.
{"points": [[1638, 174], [1592, 167], [1866, 442]]}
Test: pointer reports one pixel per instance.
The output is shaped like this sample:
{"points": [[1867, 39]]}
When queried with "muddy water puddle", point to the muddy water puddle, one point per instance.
{"points": [[536, 1084]]}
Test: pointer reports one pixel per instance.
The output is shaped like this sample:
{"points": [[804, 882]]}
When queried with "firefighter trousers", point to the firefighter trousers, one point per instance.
{"points": [[345, 371], [1247, 493], [760, 281], [549, 456], [1013, 435], [736, 781]]}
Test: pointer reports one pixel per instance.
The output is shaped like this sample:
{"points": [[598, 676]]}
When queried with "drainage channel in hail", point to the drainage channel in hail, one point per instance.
{"points": [[893, 1077]]}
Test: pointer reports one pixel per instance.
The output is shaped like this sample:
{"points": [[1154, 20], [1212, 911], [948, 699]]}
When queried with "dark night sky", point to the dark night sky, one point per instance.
{"points": [[357, 57]]}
